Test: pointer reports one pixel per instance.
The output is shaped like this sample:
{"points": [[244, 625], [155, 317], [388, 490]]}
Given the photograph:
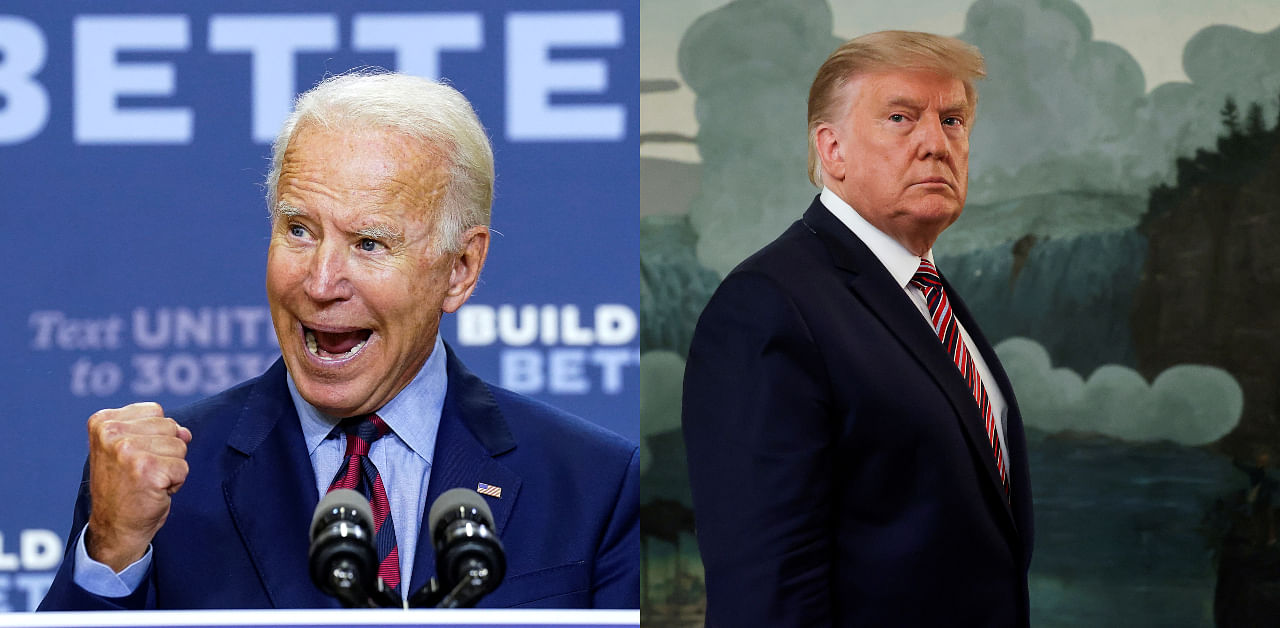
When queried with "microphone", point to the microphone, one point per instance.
{"points": [[342, 557], [470, 561]]}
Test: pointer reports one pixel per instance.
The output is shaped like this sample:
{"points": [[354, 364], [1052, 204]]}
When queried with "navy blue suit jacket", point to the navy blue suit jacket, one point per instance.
{"points": [[840, 467], [237, 532]]}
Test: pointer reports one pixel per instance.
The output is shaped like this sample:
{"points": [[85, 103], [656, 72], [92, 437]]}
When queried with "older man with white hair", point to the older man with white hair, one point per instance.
{"points": [[379, 191]]}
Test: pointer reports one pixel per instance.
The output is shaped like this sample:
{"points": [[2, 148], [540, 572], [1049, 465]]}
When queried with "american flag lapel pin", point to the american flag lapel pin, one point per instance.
{"points": [[490, 490]]}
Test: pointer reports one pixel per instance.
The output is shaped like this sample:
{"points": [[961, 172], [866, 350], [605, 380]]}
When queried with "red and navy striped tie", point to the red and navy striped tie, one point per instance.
{"points": [[948, 331], [359, 474]]}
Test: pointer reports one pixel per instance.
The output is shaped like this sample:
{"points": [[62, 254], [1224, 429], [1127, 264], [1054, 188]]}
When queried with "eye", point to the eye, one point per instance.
{"points": [[297, 231], [897, 117], [369, 245], [952, 121]]}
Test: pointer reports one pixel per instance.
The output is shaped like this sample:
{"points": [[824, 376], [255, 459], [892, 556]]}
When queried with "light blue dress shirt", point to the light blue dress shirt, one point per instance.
{"points": [[403, 458]]}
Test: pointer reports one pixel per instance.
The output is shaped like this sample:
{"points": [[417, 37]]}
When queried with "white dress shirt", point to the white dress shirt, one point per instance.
{"points": [[902, 265]]}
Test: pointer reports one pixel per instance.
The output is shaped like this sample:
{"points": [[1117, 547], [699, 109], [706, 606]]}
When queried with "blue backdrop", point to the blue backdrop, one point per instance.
{"points": [[133, 144]]}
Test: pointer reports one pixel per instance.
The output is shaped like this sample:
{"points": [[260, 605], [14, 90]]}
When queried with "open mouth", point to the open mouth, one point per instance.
{"points": [[329, 345]]}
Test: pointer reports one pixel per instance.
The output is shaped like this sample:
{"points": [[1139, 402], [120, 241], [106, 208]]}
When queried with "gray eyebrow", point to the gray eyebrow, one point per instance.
{"points": [[374, 232], [285, 210], [380, 232]]}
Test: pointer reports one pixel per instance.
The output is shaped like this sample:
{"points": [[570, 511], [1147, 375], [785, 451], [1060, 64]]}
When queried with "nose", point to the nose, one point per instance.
{"points": [[327, 278], [931, 139]]}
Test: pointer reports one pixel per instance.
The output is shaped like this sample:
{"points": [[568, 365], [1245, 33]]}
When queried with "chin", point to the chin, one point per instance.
{"points": [[939, 211], [332, 398]]}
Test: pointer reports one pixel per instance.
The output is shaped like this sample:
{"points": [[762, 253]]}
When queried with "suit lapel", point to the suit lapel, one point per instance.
{"points": [[1019, 477], [872, 284], [272, 493], [472, 434]]}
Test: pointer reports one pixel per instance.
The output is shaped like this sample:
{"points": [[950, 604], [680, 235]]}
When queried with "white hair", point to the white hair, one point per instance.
{"points": [[418, 108]]}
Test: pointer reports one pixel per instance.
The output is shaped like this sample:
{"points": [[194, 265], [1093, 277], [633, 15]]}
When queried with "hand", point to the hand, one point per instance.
{"points": [[137, 460]]}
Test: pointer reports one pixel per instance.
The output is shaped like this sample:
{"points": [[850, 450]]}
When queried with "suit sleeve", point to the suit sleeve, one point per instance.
{"points": [[758, 436], [616, 582], [64, 594]]}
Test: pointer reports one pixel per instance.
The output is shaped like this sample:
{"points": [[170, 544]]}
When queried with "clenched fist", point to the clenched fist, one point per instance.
{"points": [[137, 460]]}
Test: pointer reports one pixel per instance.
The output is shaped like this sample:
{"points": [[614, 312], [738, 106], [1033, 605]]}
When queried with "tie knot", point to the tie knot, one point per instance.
{"points": [[926, 276], [362, 431]]}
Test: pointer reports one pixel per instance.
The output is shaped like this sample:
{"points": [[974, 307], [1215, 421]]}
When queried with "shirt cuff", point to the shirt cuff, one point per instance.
{"points": [[101, 580]]}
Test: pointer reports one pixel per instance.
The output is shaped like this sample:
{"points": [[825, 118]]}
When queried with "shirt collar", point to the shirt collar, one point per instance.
{"points": [[900, 262], [413, 415]]}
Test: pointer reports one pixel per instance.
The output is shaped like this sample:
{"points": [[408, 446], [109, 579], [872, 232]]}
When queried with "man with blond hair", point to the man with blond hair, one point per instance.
{"points": [[855, 449], [379, 191]]}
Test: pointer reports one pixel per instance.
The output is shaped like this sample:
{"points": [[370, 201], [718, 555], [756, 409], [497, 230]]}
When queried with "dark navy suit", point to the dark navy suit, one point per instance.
{"points": [[236, 536], [841, 472]]}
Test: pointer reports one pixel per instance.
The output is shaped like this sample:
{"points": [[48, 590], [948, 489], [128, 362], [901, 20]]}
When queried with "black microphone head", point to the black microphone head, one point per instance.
{"points": [[467, 547], [343, 562], [458, 503], [342, 503]]}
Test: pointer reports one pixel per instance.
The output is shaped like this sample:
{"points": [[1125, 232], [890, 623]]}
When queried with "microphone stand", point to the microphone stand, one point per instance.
{"points": [[468, 591], [351, 592], [465, 594]]}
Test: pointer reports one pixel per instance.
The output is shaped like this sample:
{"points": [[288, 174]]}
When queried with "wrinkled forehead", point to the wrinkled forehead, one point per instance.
{"points": [[382, 164], [357, 136], [943, 89]]}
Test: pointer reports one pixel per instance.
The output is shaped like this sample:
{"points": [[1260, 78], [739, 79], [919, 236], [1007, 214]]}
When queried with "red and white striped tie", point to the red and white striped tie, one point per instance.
{"points": [[948, 331]]}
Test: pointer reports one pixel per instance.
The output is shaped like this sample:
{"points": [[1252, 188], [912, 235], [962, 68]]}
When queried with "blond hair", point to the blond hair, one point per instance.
{"points": [[884, 51]]}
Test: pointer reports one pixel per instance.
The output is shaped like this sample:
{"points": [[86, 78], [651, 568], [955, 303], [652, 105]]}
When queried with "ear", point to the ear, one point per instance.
{"points": [[465, 272], [826, 142]]}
